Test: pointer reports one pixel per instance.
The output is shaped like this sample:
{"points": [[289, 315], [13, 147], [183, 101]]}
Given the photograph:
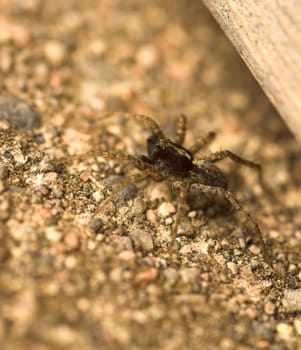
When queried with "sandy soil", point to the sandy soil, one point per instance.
{"points": [[74, 277]]}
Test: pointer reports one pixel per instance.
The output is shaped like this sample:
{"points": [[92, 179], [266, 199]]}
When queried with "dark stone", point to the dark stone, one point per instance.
{"points": [[39, 139], [18, 113], [96, 225]]}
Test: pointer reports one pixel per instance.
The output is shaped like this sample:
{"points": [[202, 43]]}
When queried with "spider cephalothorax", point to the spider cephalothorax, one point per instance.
{"points": [[168, 157]]}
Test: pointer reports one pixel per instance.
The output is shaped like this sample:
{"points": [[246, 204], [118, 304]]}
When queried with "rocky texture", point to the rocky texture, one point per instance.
{"points": [[77, 277]]}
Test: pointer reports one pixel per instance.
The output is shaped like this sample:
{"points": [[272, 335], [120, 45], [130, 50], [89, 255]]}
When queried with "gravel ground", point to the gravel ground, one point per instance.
{"points": [[70, 71]]}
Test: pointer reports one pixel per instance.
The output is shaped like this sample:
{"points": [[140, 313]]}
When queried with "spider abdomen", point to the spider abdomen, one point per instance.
{"points": [[210, 175]]}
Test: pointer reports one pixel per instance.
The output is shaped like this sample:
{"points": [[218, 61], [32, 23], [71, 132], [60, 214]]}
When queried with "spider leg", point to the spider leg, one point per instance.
{"points": [[236, 205], [130, 179], [154, 127], [217, 156], [202, 142], [118, 156], [150, 122], [179, 213], [181, 129]]}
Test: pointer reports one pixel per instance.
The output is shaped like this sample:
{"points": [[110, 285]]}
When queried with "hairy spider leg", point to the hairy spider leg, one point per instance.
{"points": [[236, 205], [202, 142], [179, 213], [181, 129], [130, 179], [150, 122], [220, 155], [140, 164], [155, 128]]}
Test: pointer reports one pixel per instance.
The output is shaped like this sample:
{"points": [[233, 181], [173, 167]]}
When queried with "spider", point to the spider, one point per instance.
{"points": [[170, 161]]}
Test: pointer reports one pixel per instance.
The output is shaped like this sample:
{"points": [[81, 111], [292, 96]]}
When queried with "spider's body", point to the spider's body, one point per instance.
{"points": [[167, 156], [173, 161], [169, 161]]}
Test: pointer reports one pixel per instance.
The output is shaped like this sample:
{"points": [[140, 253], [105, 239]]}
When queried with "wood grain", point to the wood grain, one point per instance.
{"points": [[267, 35]]}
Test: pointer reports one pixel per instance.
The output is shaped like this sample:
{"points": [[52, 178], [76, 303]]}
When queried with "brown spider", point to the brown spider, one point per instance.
{"points": [[169, 161]]}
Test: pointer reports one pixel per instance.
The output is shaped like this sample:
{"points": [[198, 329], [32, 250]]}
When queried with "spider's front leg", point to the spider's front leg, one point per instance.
{"points": [[116, 156], [154, 127], [236, 205], [181, 129]]}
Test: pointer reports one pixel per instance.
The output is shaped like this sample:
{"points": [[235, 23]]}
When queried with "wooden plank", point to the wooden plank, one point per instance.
{"points": [[267, 35]]}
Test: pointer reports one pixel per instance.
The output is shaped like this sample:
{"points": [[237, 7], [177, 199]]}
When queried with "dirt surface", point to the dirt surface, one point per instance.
{"points": [[76, 278]]}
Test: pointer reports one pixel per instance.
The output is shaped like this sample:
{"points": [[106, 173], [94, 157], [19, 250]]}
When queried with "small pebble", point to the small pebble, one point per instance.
{"points": [[254, 263], [171, 277], [237, 252], [39, 139], [146, 276], [115, 275], [151, 216], [168, 221], [232, 267], [139, 207], [186, 249], [190, 275], [254, 249], [111, 181], [18, 113], [292, 268], [72, 241], [97, 47], [292, 300], [55, 52], [91, 245], [242, 243], [127, 193], [8, 155], [61, 335], [285, 331], [83, 304], [121, 243], [71, 262], [159, 191], [251, 313], [21, 232], [142, 239], [297, 325], [127, 256], [166, 209], [53, 234], [57, 191], [263, 331], [98, 195], [269, 308], [147, 56], [14, 32], [96, 225]]}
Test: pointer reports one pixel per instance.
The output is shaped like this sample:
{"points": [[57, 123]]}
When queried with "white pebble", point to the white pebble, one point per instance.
{"points": [[52, 234], [55, 52], [166, 209], [292, 300]]}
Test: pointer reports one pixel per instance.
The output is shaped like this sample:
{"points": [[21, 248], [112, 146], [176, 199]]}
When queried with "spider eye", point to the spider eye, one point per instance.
{"points": [[161, 148]]}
